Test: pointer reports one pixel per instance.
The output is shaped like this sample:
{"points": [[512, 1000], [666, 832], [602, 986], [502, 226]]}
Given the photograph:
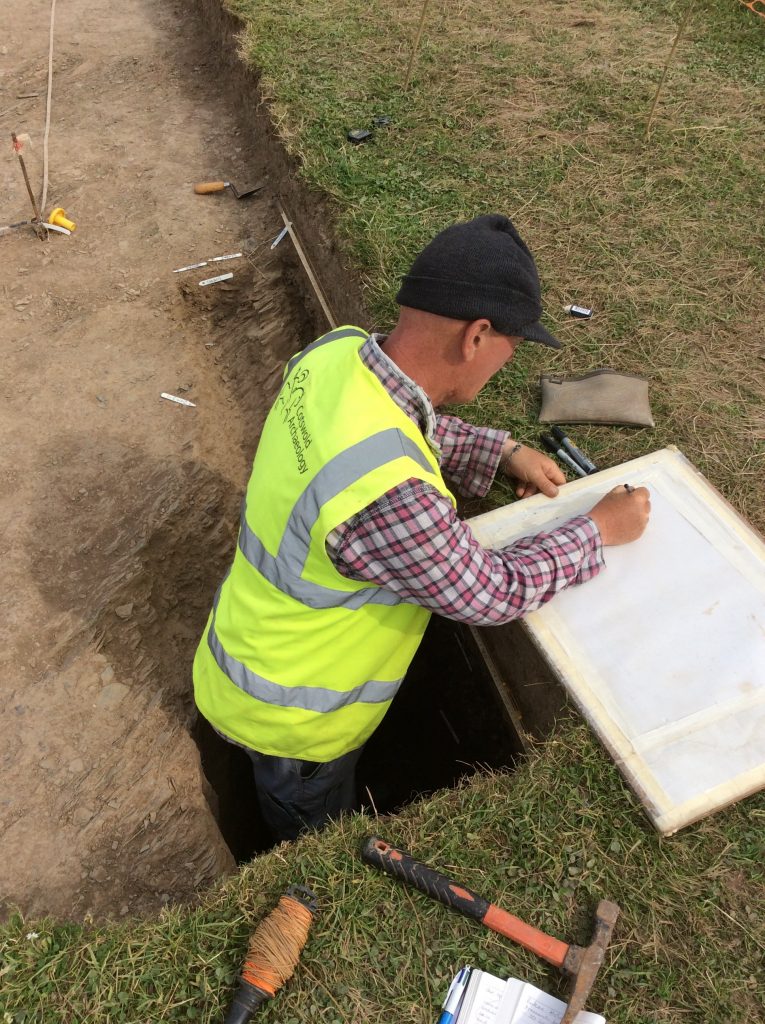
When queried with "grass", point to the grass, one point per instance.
{"points": [[546, 843], [538, 110]]}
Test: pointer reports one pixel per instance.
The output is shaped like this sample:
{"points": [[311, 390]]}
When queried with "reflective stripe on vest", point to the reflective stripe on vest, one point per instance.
{"points": [[341, 332], [308, 698], [284, 571], [298, 661]]}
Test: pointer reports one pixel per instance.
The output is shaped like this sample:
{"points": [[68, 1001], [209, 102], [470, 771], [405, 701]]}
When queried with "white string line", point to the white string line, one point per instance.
{"points": [[44, 195]]}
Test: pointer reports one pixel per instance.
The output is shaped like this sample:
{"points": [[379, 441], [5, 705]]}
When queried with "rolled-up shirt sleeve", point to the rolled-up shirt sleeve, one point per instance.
{"points": [[469, 455], [411, 541]]}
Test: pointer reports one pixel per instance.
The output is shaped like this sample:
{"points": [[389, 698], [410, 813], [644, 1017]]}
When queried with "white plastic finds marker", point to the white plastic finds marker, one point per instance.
{"points": [[191, 266], [213, 259], [281, 235], [177, 400], [216, 280]]}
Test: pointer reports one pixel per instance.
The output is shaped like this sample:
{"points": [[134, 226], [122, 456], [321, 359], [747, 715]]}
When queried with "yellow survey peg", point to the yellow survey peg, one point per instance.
{"points": [[58, 217]]}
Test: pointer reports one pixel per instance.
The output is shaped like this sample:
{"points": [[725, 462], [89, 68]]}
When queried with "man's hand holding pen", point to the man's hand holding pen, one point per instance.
{"points": [[622, 515]]}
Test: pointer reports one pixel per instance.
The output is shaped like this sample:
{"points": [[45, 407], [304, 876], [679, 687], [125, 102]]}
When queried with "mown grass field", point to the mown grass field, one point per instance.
{"points": [[546, 843], [540, 111]]}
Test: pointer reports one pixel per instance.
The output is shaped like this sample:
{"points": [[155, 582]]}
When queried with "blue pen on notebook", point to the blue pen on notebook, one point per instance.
{"points": [[454, 997]]}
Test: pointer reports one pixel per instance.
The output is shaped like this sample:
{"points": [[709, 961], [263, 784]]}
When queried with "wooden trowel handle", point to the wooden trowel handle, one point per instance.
{"points": [[404, 867], [202, 188]]}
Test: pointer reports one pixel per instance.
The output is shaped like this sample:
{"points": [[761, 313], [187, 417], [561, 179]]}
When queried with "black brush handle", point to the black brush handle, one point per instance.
{"points": [[247, 999], [400, 865]]}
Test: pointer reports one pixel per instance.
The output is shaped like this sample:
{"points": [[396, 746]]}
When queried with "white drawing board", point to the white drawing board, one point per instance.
{"points": [[664, 651]]}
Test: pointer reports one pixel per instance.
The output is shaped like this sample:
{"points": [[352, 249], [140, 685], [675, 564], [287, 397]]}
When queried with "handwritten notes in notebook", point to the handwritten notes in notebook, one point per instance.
{"points": [[492, 1000]]}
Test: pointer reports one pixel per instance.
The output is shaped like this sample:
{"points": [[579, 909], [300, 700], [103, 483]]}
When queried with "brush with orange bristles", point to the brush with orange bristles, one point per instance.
{"points": [[273, 952]]}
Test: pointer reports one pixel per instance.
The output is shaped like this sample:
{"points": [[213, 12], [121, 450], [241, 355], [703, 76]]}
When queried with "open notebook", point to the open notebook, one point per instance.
{"points": [[492, 1000]]}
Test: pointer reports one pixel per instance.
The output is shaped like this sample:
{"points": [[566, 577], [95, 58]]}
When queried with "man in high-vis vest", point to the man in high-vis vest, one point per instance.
{"points": [[349, 536]]}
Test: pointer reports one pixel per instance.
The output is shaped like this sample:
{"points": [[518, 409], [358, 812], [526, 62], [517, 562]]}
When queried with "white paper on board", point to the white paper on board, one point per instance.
{"points": [[664, 651]]}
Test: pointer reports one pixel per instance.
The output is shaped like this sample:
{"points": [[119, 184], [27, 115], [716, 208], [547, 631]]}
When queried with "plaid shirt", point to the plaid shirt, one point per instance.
{"points": [[412, 542]]}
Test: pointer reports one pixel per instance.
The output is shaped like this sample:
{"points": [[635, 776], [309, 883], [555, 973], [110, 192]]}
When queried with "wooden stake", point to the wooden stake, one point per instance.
{"points": [[17, 149], [680, 31], [307, 267], [416, 46]]}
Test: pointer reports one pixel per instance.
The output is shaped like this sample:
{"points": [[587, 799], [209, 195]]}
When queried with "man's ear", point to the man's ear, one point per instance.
{"points": [[473, 336]]}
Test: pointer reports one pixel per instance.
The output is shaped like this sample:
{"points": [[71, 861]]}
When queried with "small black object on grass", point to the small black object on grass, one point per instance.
{"points": [[358, 135], [581, 312], [381, 121]]}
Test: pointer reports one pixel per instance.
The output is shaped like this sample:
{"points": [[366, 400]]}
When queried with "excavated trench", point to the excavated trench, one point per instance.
{"points": [[454, 713], [445, 722], [133, 536], [449, 717]]}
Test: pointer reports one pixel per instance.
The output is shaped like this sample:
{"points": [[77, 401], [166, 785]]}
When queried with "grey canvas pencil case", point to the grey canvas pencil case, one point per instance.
{"points": [[601, 396]]}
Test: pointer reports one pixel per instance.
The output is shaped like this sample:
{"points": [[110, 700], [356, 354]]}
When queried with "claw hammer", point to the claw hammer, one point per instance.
{"points": [[581, 962]]}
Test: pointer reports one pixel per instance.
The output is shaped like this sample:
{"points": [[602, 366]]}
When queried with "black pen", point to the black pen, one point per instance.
{"points": [[576, 453], [552, 446]]}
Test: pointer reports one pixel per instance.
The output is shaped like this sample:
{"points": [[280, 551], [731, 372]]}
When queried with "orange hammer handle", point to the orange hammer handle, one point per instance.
{"points": [[550, 949], [400, 865]]}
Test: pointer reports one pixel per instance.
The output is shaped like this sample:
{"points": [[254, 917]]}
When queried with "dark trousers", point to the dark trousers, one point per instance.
{"points": [[298, 795]]}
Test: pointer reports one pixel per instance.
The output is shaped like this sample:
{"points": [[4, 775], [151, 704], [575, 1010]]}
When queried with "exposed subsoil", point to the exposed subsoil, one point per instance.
{"points": [[118, 509]]}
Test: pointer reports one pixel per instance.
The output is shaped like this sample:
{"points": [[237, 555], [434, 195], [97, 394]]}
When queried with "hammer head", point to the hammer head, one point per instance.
{"points": [[583, 962]]}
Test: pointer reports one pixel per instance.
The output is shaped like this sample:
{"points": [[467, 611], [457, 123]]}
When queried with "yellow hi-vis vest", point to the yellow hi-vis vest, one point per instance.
{"points": [[296, 660]]}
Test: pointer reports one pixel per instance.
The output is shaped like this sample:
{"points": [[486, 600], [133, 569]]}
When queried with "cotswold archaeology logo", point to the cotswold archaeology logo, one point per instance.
{"points": [[290, 405]]}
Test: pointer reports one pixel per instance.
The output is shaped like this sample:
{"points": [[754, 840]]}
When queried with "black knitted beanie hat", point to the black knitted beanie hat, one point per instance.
{"points": [[478, 269]]}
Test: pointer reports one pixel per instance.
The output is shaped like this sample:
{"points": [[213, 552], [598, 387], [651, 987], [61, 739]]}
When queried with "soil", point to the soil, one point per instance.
{"points": [[118, 509]]}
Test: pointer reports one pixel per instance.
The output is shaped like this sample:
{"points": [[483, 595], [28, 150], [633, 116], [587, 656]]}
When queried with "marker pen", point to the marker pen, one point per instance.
{"points": [[576, 453], [552, 446]]}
